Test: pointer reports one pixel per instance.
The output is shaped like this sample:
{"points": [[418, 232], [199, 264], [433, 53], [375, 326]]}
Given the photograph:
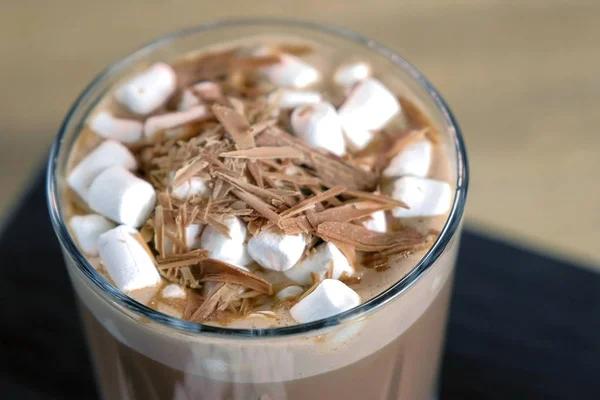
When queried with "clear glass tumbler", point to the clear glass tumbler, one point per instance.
{"points": [[387, 348]]}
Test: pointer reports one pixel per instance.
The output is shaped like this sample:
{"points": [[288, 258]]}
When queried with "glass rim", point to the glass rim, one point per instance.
{"points": [[431, 256]]}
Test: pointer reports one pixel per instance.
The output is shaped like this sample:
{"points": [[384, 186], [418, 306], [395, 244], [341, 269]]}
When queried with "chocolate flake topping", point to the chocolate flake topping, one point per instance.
{"points": [[253, 168], [266, 153], [365, 240], [236, 125], [332, 170]]}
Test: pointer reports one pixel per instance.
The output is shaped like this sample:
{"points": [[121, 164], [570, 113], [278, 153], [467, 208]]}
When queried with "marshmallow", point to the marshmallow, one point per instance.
{"points": [[318, 262], [192, 187], [162, 122], [288, 99], [87, 229], [350, 74], [290, 72], [368, 107], [289, 292], [187, 101], [320, 126], [208, 90], [121, 129], [377, 222], [125, 259], [148, 90], [192, 238], [413, 160], [424, 197], [108, 154], [121, 196], [232, 249], [276, 251], [331, 297], [173, 291]]}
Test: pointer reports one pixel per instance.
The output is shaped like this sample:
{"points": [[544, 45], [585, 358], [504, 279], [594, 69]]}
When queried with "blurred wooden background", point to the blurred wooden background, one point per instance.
{"points": [[521, 76]]}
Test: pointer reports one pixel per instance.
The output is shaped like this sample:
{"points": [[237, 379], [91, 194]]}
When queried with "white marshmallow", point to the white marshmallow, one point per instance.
{"points": [[124, 130], [121, 196], [192, 238], [368, 107], [413, 160], [331, 297], [377, 222], [187, 101], [173, 291], [231, 250], [107, 154], [290, 292], [326, 254], [290, 72], [148, 90], [87, 229], [189, 188], [350, 74], [275, 250], [320, 126], [208, 90], [288, 99], [126, 261], [163, 122], [425, 197]]}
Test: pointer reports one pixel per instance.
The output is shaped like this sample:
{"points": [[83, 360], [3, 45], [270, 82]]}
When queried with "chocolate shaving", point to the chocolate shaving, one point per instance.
{"points": [[236, 125], [219, 271], [183, 262], [188, 171], [379, 198], [218, 225], [259, 205], [222, 294], [311, 201], [261, 126], [193, 302], [365, 240], [332, 169], [309, 291], [237, 105], [256, 173], [260, 192], [159, 231], [298, 179], [259, 153], [343, 213]]}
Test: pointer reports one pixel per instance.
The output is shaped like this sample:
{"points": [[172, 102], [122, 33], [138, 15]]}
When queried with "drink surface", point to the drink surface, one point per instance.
{"points": [[250, 88]]}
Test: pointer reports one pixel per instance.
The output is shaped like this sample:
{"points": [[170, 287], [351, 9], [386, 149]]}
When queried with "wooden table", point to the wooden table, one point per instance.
{"points": [[522, 77]]}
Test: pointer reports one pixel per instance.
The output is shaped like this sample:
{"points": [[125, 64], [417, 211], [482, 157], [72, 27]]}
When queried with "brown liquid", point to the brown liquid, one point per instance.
{"points": [[404, 369]]}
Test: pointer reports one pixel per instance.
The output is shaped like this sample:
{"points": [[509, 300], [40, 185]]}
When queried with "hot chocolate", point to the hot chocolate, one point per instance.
{"points": [[252, 187]]}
